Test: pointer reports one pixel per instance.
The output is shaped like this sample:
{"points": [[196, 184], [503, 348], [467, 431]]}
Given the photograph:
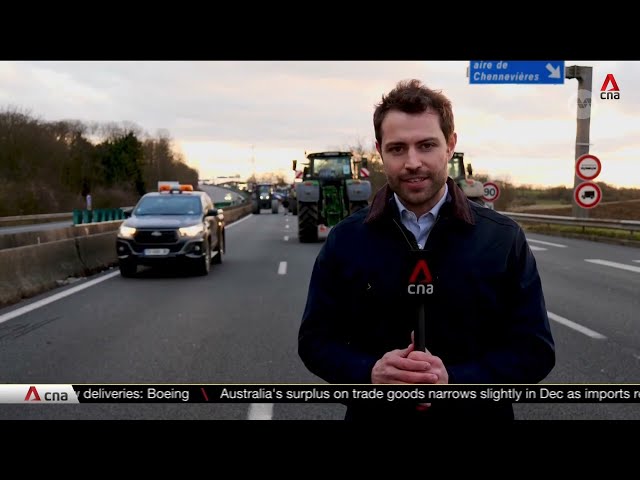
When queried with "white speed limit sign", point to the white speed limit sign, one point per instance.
{"points": [[491, 192]]}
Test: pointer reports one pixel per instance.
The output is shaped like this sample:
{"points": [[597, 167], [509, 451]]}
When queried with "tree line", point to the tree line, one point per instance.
{"points": [[50, 167]]}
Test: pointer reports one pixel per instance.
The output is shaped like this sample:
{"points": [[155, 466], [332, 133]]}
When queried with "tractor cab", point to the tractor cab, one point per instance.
{"points": [[263, 197], [473, 189]]}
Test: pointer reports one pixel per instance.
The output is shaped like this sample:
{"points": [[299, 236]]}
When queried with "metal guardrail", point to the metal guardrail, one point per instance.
{"points": [[74, 216], [628, 225], [83, 213]]}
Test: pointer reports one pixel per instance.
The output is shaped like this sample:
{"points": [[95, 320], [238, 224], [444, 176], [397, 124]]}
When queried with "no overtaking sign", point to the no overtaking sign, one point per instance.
{"points": [[587, 194], [588, 167]]}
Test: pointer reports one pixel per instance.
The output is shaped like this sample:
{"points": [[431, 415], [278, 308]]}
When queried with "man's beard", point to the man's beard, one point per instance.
{"points": [[417, 198]]}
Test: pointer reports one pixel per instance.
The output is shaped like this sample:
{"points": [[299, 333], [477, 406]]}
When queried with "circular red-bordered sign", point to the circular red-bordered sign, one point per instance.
{"points": [[588, 167], [491, 192], [587, 194]]}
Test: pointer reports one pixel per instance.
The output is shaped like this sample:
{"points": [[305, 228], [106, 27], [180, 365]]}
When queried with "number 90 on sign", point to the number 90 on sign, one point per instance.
{"points": [[491, 192]]}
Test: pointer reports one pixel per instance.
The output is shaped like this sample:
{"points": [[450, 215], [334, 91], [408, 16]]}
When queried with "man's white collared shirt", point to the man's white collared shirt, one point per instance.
{"points": [[421, 227]]}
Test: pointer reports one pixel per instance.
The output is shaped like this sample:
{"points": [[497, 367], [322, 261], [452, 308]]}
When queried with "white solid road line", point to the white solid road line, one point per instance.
{"points": [[239, 221], [536, 249], [282, 268], [260, 411], [638, 261], [41, 303], [622, 266], [579, 328], [547, 243]]}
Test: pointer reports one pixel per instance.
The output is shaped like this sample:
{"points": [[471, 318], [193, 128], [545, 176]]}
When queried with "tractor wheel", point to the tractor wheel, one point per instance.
{"points": [[308, 222]]}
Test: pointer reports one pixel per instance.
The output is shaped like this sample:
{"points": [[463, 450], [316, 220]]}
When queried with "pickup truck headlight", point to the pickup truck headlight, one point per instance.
{"points": [[191, 231], [126, 232]]}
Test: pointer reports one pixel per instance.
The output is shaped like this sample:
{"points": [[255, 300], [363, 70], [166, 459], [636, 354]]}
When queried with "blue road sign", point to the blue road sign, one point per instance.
{"points": [[506, 71]]}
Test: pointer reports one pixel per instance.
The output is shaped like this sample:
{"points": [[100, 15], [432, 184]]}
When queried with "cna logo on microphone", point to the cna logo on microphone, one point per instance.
{"points": [[420, 281]]}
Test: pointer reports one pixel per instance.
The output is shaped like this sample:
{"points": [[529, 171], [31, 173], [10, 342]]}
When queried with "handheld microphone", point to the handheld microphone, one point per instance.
{"points": [[420, 290], [420, 335], [420, 343]]}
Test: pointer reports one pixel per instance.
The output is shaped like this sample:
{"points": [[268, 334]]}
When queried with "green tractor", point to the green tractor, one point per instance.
{"points": [[332, 188], [473, 189]]}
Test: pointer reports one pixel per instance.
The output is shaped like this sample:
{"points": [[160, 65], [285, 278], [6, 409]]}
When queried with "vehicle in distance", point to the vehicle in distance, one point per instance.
{"points": [[175, 225], [263, 197]]}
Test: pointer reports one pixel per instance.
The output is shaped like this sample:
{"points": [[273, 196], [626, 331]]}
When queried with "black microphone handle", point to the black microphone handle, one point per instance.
{"points": [[420, 333]]}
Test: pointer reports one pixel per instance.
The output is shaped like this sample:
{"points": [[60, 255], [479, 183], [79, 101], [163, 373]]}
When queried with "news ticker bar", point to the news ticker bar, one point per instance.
{"points": [[311, 393]]}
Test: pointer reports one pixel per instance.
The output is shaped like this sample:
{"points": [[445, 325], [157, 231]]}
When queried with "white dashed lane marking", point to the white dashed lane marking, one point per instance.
{"points": [[559, 245], [576, 326], [260, 411], [622, 266], [282, 268]]}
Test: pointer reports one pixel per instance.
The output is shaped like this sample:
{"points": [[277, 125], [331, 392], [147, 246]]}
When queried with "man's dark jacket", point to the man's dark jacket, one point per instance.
{"points": [[486, 319]]}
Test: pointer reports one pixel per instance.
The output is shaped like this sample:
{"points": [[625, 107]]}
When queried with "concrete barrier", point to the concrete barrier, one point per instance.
{"points": [[33, 269], [231, 214], [97, 252], [21, 239], [28, 270]]}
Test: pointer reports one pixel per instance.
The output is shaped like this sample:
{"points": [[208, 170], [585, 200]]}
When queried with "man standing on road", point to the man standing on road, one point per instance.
{"points": [[423, 245]]}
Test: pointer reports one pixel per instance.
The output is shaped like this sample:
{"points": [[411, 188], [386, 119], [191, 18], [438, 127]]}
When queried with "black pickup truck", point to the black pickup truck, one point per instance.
{"points": [[175, 225]]}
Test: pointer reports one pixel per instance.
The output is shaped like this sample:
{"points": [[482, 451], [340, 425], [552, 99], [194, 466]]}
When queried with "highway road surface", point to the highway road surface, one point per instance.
{"points": [[239, 324]]}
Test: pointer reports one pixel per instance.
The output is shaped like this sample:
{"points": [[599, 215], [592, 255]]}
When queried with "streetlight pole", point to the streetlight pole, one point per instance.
{"points": [[253, 161], [584, 75]]}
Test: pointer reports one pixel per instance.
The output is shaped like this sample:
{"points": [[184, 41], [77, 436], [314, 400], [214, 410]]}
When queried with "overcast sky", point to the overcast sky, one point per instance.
{"points": [[222, 115]]}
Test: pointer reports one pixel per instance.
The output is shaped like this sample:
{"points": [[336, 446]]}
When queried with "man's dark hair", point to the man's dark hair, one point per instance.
{"points": [[412, 96]]}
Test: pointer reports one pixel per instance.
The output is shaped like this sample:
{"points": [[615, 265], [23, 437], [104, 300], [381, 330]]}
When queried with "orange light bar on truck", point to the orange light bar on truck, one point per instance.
{"points": [[175, 188]]}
